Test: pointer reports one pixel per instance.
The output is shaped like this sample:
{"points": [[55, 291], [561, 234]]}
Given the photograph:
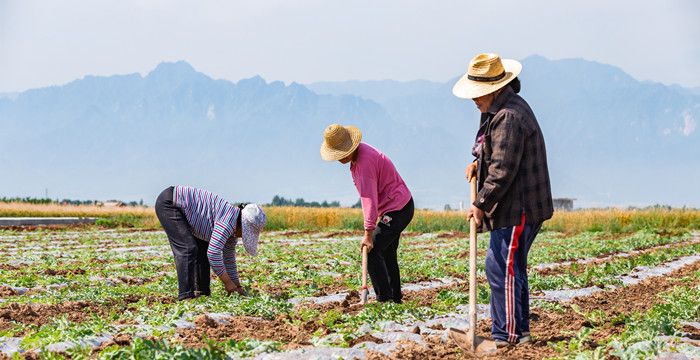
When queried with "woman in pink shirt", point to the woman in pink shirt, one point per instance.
{"points": [[386, 203]]}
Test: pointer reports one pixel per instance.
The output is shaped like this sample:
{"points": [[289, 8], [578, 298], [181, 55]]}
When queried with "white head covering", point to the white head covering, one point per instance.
{"points": [[252, 222]]}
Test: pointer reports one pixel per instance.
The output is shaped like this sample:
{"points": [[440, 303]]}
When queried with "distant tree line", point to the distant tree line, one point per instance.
{"points": [[45, 201], [281, 201], [28, 200]]}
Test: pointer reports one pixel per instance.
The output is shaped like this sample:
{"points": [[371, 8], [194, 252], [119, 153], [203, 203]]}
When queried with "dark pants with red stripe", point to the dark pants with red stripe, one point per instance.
{"points": [[506, 270]]}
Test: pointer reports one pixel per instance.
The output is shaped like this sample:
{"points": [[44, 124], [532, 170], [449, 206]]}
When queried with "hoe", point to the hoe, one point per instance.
{"points": [[469, 341], [363, 291]]}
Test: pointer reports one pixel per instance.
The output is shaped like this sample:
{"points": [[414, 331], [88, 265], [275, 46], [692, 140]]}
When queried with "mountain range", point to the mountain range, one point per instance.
{"points": [[611, 140]]}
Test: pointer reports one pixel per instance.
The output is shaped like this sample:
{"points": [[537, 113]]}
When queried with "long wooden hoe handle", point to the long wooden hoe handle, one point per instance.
{"points": [[472, 269], [363, 294]]}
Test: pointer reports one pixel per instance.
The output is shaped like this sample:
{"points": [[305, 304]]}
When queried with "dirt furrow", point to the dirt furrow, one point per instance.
{"points": [[582, 264], [550, 326], [546, 326], [75, 311]]}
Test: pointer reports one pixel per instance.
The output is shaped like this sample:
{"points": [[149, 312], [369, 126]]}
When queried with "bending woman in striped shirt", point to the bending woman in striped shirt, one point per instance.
{"points": [[203, 229]]}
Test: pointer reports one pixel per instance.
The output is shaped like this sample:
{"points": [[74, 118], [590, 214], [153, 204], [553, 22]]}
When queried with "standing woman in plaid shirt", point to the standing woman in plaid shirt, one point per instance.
{"points": [[514, 195]]}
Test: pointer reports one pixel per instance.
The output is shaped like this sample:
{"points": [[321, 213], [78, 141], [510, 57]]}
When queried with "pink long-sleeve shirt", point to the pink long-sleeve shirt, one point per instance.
{"points": [[381, 188]]}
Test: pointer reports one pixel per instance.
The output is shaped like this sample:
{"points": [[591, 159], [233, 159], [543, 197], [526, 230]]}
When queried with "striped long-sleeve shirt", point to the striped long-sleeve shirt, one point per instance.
{"points": [[213, 219]]}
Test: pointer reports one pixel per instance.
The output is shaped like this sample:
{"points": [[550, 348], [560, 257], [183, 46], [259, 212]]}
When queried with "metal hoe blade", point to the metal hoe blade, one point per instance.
{"points": [[363, 296], [471, 343]]}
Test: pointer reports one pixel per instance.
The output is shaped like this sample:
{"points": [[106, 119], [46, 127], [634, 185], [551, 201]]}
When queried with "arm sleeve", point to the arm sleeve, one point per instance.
{"points": [[230, 260], [507, 142], [217, 243], [367, 187]]}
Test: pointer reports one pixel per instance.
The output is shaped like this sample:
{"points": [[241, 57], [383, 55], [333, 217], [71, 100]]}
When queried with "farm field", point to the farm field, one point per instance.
{"points": [[94, 292]]}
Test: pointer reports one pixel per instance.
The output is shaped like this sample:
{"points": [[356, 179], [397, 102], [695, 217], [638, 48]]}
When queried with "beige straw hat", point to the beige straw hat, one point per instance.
{"points": [[486, 74], [339, 141]]}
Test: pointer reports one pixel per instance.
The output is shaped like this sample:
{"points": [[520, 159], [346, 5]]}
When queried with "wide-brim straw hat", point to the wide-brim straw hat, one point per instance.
{"points": [[339, 141], [486, 73]]}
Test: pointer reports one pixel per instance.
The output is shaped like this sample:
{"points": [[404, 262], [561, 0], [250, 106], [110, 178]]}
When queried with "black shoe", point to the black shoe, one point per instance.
{"points": [[525, 339]]}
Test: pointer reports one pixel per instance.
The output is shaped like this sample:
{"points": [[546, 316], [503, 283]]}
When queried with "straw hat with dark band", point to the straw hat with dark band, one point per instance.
{"points": [[486, 74], [339, 141]]}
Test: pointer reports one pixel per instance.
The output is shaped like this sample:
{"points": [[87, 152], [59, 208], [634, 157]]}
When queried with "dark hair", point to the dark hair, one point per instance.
{"points": [[515, 84]]}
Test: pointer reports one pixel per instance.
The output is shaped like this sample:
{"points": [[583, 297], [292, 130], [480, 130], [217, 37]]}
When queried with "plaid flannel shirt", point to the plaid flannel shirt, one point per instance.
{"points": [[512, 165]]}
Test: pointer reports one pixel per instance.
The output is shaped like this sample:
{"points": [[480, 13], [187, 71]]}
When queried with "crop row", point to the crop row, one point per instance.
{"points": [[304, 270]]}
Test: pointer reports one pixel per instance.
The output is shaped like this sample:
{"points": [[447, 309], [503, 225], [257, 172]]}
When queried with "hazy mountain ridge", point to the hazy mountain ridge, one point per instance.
{"points": [[606, 132], [128, 136]]}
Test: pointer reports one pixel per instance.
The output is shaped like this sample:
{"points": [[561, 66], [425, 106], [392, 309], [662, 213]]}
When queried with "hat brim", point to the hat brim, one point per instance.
{"points": [[331, 154], [470, 89]]}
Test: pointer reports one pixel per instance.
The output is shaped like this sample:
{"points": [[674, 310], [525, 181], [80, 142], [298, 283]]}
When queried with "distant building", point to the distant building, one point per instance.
{"points": [[565, 204], [113, 203]]}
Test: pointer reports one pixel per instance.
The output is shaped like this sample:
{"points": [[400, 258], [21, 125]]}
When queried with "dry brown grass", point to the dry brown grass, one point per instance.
{"points": [[112, 216], [619, 220], [25, 209], [282, 218]]}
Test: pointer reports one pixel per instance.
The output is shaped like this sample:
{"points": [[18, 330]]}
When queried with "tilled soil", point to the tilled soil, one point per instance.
{"points": [[433, 350], [546, 326], [239, 328], [365, 338], [351, 303], [481, 254], [281, 329], [53, 272], [47, 228], [576, 269], [296, 232], [691, 332], [342, 233], [133, 280], [75, 311], [38, 314], [428, 297], [452, 235], [549, 326], [6, 291], [119, 339], [67, 248], [281, 290]]}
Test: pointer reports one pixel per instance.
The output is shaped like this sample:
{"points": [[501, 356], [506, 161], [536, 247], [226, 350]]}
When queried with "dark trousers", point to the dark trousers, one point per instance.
{"points": [[190, 253], [506, 271], [382, 262]]}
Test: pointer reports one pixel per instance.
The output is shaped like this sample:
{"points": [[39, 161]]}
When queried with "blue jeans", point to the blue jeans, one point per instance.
{"points": [[506, 271]]}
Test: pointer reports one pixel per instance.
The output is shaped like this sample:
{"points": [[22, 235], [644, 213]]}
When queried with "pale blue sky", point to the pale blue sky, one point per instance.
{"points": [[52, 42]]}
